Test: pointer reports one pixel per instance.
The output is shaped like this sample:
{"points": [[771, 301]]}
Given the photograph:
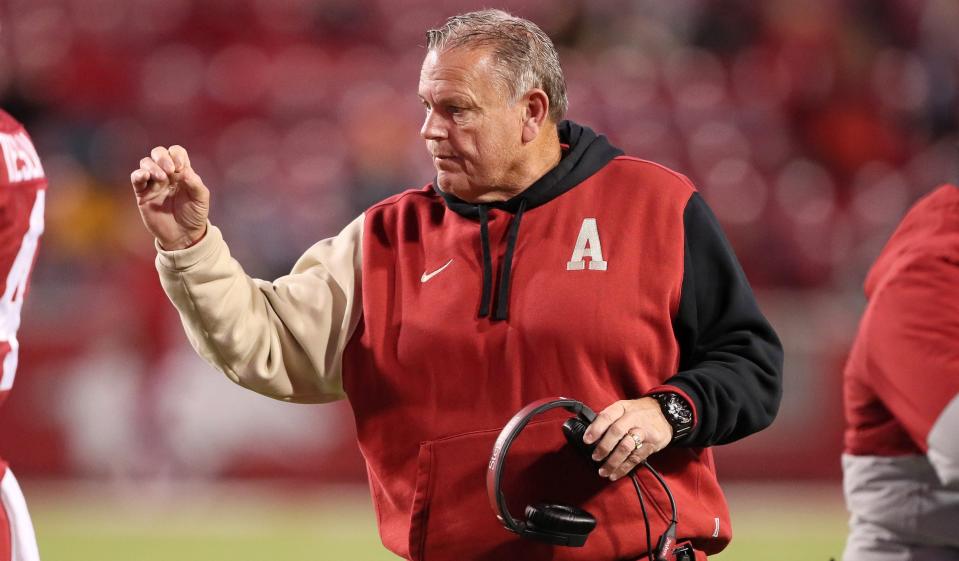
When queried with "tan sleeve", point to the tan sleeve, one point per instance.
{"points": [[284, 339]]}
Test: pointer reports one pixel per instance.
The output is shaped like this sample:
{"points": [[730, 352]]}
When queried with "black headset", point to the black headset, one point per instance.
{"points": [[561, 524]]}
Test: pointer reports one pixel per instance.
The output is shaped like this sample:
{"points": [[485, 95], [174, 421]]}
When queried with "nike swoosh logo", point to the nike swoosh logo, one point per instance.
{"points": [[428, 276]]}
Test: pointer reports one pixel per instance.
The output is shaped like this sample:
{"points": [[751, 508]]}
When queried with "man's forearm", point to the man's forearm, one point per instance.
{"points": [[731, 358], [274, 338]]}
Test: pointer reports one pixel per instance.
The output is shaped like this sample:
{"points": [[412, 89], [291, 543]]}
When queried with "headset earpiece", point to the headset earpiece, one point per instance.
{"points": [[566, 519], [573, 429]]}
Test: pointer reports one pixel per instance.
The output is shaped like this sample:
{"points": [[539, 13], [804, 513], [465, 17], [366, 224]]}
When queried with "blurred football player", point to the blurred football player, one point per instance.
{"points": [[23, 187]]}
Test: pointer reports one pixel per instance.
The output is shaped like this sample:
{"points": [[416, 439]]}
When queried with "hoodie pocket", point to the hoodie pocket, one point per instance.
{"points": [[451, 518]]}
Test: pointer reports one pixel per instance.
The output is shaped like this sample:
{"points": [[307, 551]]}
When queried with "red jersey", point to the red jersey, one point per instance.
{"points": [[22, 189]]}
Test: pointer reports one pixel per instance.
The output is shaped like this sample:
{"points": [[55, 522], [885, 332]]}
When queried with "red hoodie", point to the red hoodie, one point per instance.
{"points": [[445, 354], [902, 372], [901, 466]]}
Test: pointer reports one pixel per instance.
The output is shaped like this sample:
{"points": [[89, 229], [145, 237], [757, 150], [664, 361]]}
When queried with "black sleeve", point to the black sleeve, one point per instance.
{"points": [[730, 358]]}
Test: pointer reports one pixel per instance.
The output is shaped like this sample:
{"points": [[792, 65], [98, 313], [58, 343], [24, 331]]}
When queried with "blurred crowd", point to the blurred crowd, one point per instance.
{"points": [[809, 127]]}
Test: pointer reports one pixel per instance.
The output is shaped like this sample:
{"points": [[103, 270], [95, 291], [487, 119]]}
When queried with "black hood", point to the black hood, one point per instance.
{"points": [[586, 154]]}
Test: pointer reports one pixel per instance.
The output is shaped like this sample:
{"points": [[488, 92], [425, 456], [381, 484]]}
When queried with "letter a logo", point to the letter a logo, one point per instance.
{"points": [[587, 245]]}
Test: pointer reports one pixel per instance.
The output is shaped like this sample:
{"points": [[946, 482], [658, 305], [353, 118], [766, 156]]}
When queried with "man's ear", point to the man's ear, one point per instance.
{"points": [[535, 113]]}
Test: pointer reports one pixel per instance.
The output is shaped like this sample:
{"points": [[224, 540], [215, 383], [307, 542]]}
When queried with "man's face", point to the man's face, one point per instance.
{"points": [[472, 130]]}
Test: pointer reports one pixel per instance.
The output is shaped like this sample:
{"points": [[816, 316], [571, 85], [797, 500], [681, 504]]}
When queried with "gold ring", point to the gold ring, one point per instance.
{"points": [[638, 440]]}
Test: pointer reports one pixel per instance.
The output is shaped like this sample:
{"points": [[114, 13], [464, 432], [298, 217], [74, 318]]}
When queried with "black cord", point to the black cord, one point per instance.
{"points": [[672, 502], [642, 505]]}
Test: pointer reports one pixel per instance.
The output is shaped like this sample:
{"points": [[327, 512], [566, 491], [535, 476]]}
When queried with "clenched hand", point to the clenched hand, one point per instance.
{"points": [[173, 201]]}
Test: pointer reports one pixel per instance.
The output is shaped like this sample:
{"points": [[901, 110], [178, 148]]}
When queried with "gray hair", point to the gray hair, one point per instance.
{"points": [[525, 55]]}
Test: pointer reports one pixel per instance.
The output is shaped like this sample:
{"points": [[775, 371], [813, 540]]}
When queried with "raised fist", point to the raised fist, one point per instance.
{"points": [[174, 203]]}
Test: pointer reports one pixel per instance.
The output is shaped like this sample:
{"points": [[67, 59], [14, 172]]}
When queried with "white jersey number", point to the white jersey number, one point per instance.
{"points": [[12, 300]]}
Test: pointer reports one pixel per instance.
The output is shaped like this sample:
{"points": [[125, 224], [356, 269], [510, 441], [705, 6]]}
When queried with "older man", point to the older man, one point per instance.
{"points": [[540, 261]]}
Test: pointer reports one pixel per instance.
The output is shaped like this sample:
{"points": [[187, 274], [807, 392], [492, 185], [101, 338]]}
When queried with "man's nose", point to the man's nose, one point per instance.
{"points": [[433, 128]]}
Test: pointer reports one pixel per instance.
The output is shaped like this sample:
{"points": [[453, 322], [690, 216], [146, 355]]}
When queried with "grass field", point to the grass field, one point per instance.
{"points": [[256, 523]]}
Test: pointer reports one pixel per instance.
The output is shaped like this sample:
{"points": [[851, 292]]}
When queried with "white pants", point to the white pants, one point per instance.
{"points": [[23, 542], [900, 511], [870, 542]]}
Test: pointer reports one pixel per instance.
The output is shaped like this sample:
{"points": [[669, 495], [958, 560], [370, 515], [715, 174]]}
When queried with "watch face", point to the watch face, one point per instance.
{"points": [[678, 410]]}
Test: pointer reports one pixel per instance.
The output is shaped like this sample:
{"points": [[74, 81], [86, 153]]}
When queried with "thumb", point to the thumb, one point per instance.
{"points": [[180, 157], [189, 178], [194, 184]]}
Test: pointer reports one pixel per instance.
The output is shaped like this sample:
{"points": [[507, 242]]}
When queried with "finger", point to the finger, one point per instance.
{"points": [[611, 439], [181, 159], [162, 157], [156, 174], [150, 182], [621, 451], [140, 178], [631, 461], [602, 422]]}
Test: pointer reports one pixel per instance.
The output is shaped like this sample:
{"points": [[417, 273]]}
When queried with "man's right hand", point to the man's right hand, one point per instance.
{"points": [[173, 201]]}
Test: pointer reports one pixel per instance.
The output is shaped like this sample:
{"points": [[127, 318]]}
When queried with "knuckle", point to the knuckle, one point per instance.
{"points": [[605, 415], [604, 449]]}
